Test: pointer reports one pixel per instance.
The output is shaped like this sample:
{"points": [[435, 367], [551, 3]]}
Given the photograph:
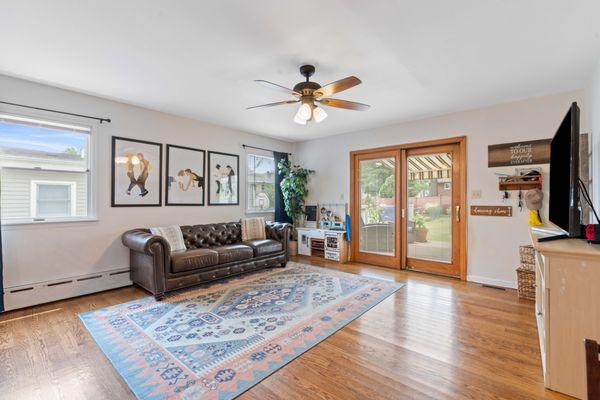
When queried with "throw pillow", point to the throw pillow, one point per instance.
{"points": [[172, 235], [253, 228]]}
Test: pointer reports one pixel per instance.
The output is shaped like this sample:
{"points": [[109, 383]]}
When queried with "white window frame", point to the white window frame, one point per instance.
{"points": [[67, 123], [271, 209], [34, 196]]}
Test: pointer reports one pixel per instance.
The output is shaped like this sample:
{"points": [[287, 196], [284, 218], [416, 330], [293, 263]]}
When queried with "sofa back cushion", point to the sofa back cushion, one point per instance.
{"points": [[210, 235]]}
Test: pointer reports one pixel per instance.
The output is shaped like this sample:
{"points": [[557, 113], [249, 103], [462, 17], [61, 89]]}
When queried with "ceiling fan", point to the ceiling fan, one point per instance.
{"points": [[309, 93]]}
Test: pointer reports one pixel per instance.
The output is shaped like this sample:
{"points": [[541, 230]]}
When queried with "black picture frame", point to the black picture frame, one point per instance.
{"points": [[209, 186], [113, 202], [172, 146]]}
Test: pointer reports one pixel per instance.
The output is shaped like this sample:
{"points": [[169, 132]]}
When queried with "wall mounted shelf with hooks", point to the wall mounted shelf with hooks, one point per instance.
{"points": [[520, 182]]}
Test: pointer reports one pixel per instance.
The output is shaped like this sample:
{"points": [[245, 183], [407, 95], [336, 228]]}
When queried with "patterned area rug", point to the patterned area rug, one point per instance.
{"points": [[214, 342]]}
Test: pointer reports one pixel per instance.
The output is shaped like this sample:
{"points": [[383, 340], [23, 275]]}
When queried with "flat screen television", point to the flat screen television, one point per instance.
{"points": [[564, 175]]}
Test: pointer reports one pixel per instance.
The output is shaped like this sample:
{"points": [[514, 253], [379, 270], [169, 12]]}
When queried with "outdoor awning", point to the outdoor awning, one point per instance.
{"points": [[429, 166]]}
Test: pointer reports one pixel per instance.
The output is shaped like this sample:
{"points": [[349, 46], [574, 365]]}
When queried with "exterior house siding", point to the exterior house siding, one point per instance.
{"points": [[16, 202], [20, 167]]}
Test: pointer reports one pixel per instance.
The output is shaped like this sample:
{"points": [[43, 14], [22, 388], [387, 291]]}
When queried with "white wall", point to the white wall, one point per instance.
{"points": [[36, 253], [492, 241], [592, 92]]}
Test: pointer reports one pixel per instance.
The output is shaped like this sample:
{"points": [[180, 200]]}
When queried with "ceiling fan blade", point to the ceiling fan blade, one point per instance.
{"points": [[277, 87], [348, 105], [279, 103], [337, 86]]}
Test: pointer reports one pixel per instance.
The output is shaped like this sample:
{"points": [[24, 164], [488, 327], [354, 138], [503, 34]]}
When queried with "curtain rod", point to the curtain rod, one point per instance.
{"points": [[56, 111], [260, 148]]}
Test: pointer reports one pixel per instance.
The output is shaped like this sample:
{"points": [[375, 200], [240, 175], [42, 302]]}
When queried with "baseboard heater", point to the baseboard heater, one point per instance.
{"points": [[44, 292]]}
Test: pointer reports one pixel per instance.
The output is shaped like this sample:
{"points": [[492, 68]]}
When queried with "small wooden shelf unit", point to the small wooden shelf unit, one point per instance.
{"points": [[317, 247], [520, 182]]}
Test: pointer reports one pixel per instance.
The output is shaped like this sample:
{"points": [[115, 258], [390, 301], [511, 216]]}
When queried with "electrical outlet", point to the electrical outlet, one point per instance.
{"points": [[476, 194]]}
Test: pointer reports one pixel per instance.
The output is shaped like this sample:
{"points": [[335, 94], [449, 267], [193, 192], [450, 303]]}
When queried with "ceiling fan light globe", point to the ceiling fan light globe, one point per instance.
{"points": [[319, 114], [299, 120], [304, 112]]}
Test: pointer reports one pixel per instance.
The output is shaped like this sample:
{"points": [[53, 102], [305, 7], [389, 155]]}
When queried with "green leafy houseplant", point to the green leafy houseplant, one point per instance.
{"points": [[294, 186]]}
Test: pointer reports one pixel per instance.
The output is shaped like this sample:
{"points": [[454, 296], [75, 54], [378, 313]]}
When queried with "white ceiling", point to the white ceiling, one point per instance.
{"points": [[199, 58]]}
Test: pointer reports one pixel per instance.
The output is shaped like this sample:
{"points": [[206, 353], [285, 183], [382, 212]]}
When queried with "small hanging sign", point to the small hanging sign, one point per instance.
{"points": [[491, 211], [519, 153]]}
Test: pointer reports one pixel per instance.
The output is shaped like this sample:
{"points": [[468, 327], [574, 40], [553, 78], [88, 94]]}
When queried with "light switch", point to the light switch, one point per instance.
{"points": [[476, 194]]}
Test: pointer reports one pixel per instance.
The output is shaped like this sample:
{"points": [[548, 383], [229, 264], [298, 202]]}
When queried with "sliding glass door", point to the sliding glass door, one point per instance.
{"points": [[407, 206], [376, 179], [432, 199]]}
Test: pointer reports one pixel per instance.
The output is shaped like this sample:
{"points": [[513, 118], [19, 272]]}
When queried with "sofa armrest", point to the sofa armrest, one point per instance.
{"points": [[149, 260], [279, 231], [142, 241]]}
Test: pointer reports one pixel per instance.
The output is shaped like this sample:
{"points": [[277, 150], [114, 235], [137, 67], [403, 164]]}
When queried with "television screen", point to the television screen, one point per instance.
{"points": [[564, 174]]}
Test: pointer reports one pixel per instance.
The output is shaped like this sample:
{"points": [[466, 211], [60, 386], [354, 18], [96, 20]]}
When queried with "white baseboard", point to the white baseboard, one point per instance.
{"points": [[492, 282], [44, 292], [16, 297]]}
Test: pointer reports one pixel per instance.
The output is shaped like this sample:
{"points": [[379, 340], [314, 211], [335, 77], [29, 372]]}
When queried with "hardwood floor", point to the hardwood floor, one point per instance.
{"points": [[436, 338]]}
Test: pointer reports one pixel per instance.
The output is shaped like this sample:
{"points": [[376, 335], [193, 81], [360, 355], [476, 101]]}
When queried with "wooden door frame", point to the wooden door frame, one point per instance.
{"points": [[461, 141]]}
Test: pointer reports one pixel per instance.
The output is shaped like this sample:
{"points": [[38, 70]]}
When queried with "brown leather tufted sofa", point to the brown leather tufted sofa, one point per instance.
{"points": [[213, 251]]}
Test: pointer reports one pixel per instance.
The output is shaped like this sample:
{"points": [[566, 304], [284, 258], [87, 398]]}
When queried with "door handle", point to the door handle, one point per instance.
{"points": [[457, 209]]}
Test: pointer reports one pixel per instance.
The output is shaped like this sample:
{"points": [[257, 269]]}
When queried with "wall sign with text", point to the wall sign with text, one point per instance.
{"points": [[519, 153], [491, 211]]}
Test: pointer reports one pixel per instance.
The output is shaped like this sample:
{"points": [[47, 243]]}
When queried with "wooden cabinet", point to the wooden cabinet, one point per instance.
{"points": [[567, 309]]}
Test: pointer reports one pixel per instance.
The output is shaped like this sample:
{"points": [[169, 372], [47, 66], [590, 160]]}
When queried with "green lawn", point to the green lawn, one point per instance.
{"points": [[439, 229]]}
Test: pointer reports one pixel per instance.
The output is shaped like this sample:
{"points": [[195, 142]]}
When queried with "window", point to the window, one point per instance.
{"points": [[44, 170], [260, 183], [53, 199]]}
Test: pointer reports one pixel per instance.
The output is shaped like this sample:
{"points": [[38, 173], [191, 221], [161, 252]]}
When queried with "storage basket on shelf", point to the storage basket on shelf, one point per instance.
{"points": [[526, 280], [527, 254]]}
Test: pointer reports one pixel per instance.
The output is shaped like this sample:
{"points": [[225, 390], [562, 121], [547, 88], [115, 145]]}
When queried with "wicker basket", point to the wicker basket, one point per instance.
{"points": [[526, 280], [527, 254]]}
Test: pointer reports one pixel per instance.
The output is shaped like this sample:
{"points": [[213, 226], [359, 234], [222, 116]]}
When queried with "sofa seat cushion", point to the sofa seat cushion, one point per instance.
{"points": [[233, 252], [192, 259], [264, 246]]}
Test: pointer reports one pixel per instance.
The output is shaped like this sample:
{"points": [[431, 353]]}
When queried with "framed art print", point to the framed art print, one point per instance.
{"points": [[185, 176], [223, 179], [136, 173]]}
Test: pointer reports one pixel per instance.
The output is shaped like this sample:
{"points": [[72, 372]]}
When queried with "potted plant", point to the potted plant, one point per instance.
{"points": [[420, 229], [294, 187]]}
